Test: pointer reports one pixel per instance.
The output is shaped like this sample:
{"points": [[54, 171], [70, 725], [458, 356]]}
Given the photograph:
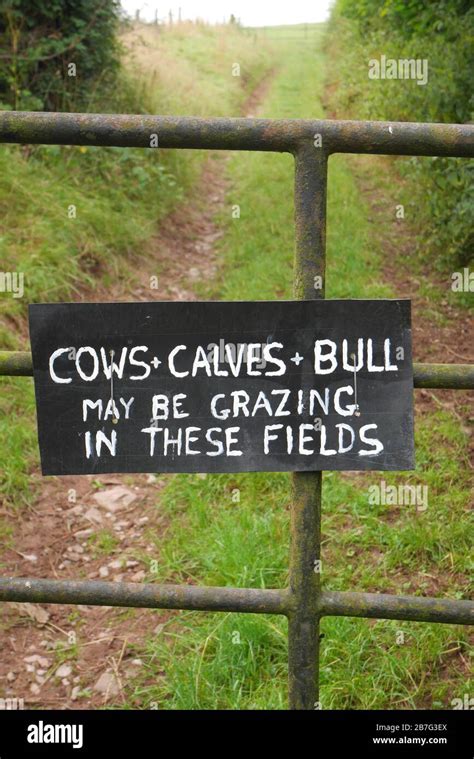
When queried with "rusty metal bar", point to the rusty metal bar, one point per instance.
{"points": [[243, 600], [383, 606], [16, 364], [443, 376], [288, 135], [305, 548], [92, 593]]}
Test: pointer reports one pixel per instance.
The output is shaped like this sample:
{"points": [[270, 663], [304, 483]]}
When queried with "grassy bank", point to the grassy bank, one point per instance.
{"points": [[76, 219], [233, 530], [438, 36]]}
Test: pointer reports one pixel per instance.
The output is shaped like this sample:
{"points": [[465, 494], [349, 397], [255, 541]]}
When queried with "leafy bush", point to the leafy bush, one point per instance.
{"points": [[441, 32], [53, 53]]}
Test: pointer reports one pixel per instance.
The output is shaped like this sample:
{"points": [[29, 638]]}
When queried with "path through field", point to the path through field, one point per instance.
{"points": [[100, 528], [120, 528]]}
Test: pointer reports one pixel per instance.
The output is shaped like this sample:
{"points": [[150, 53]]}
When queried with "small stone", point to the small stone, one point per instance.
{"points": [[35, 689], [132, 564], [84, 533], [76, 549], [118, 578], [114, 499], [74, 557], [138, 576], [93, 515], [64, 670], [75, 692], [37, 659], [103, 572], [107, 684], [116, 564], [11, 677], [34, 611], [29, 557]]}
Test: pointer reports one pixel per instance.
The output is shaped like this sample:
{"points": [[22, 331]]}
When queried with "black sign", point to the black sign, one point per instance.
{"points": [[223, 387]]}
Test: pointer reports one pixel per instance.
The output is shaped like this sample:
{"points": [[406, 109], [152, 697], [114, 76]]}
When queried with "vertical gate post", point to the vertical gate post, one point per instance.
{"points": [[304, 580]]}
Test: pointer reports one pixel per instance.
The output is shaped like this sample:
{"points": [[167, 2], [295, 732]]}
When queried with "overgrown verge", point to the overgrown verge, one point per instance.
{"points": [[412, 61], [78, 218]]}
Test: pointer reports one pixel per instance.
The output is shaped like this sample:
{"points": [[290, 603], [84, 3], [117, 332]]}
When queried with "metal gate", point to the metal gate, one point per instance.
{"points": [[303, 602]]}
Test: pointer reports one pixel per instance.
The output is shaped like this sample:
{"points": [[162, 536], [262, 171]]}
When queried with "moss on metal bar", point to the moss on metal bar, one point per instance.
{"points": [[448, 376], [291, 135], [94, 593], [16, 363], [383, 606]]}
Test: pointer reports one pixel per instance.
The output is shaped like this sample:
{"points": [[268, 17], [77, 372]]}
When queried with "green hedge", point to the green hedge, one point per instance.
{"points": [[440, 32], [54, 53]]}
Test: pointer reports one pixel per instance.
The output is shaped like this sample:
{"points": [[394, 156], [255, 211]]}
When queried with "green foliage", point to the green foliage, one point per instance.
{"points": [[448, 185], [442, 33], [409, 18], [120, 196], [54, 53]]}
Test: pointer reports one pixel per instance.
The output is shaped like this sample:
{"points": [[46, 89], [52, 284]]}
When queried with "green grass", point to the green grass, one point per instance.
{"points": [[102, 543], [234, 529], [119, 196]]}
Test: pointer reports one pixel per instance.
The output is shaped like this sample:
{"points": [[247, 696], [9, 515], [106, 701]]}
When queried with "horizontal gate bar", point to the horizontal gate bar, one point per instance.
{"points": [[251, 600], [402, 138], [16, 363], [91, 593], [447, 376], [410, 608]]}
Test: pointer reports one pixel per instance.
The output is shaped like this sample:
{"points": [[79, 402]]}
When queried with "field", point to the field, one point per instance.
{"points": [[137, 217]]}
